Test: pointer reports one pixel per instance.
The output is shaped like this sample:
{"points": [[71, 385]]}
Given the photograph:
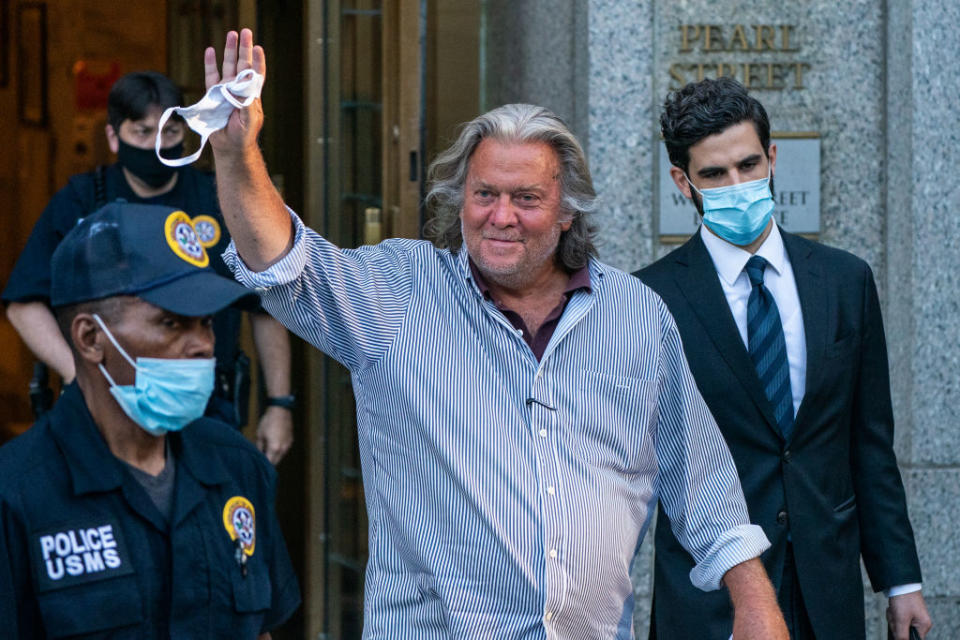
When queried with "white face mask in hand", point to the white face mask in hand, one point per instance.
{"points": [[213, 111]]}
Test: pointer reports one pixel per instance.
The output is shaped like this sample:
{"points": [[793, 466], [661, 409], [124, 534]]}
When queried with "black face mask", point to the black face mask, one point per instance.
{"points": [[144, 164]]}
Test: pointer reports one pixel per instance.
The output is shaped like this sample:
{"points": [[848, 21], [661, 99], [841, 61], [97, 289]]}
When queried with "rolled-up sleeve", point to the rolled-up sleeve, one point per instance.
{"points": [[698, 482], [349, 303], [288, 268]]}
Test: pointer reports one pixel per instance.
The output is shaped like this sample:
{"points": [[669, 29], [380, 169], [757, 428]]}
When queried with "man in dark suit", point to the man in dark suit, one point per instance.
{"points": [[786, 343]]}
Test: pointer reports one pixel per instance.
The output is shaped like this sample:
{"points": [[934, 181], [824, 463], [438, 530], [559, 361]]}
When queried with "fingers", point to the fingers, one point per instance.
{"points": [[211, 75], [893, 622], [271, 454], [245, 52], [277, 454], [239, 54], [270, 449], [230, 56], [259, 60], [908, 611], [274, 451], [275, 434], [899, 629]]}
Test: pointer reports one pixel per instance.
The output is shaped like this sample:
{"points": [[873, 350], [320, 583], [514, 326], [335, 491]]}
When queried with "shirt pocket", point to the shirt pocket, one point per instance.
{"points": [[241, 591], [111, 607], [613, 423], [252, 593]]}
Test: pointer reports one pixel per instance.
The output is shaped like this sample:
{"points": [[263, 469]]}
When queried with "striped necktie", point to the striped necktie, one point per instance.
{"points": [[768, 349]]}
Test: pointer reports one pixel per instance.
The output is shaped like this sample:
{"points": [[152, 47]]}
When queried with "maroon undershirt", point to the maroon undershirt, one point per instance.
{"points": [[579, 279]]}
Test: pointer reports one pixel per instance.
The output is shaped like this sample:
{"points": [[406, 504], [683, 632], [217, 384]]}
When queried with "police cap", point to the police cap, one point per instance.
{"points": [[152, 252]]}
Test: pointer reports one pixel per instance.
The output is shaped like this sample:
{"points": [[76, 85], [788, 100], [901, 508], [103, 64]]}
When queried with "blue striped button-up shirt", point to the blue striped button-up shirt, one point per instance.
{"points": [[506, 496]]}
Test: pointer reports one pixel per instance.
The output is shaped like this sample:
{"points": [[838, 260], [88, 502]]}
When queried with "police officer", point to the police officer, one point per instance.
{"points": [[135, 105], [123, 512]]}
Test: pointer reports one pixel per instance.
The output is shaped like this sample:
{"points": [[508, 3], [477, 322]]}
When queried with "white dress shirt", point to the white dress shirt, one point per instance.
{"points": [[730, 262]]}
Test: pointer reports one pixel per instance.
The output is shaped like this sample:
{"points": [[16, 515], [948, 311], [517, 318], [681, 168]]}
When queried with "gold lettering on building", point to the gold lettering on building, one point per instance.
{"points": [[767, 40]]}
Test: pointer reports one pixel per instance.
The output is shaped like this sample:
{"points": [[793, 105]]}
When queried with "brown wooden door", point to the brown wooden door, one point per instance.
{"points": [[53, 55]]}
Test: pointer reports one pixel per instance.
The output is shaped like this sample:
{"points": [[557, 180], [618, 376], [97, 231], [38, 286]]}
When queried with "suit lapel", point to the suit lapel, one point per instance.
{"points": [[700, 285], [813, 304]]}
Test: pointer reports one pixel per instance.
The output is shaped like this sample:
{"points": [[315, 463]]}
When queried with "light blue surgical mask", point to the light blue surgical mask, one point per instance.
{"points": [[738, 213], [168, 393]]}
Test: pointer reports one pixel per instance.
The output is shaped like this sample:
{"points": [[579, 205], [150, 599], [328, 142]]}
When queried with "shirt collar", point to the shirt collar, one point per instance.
{"points": [[193, 455], [579, 279], [729, 259], [91, 464], [94, 468]]}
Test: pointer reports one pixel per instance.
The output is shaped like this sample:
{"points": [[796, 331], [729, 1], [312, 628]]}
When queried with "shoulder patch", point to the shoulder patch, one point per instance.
{"points": [[240, 521], [184, 240], [208, 230], [78, 553]]}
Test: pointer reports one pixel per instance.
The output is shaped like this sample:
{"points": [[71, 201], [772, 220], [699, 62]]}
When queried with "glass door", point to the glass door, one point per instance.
{"points": [[364, 69], [385, 83]]}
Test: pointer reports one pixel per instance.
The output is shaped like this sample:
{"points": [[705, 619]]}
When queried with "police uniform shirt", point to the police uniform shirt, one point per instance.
{"points": [[85, 552], [195, 193]]}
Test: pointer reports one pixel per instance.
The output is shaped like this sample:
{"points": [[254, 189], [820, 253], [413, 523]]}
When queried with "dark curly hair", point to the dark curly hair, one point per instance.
{"points": [[705, 108]]}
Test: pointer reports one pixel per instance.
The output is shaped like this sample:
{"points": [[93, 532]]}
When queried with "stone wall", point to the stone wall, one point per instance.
{"points": [[923, 285]]}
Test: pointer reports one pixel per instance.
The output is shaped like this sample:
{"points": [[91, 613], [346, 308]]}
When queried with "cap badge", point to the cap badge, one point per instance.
{"points": [[240, 522], [184, 239], [208, 230]]}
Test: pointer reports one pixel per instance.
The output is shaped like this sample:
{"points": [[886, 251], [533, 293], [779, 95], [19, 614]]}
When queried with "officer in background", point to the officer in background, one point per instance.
{"points": [[135, 105], [123, 512]]}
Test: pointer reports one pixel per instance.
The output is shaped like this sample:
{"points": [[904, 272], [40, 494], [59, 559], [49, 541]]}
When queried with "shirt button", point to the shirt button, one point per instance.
{"points": [[787, 456], [548, 616], [543, 433], [553, 553], [782, 517], [551, 490]]}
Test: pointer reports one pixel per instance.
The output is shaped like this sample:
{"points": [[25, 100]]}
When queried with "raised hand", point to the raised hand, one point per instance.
{"points": [[239, 54], [254, 211]]}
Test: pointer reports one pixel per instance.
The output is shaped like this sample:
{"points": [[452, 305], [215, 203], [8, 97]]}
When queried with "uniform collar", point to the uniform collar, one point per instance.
{"points": [[93, 468], [730, 260], [206, 468]]}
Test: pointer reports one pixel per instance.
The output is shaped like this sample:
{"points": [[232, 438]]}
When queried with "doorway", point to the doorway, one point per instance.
{"points": [[361, 94], [388, 80]]}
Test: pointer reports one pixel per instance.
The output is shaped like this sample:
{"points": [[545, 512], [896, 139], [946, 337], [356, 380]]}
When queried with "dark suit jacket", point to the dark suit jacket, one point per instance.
{"points": [[834, 486]]}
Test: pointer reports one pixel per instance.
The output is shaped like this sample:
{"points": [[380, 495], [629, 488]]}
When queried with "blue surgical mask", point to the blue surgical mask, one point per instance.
{"points": [[738, 213], [168, 393]]}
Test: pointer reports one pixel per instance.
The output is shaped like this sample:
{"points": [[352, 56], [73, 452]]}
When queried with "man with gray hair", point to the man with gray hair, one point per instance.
{"points": [[521, 406]]}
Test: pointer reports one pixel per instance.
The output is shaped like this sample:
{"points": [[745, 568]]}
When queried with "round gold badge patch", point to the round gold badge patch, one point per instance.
{"points": [[184, 240], [208, 230], [239, 519]]}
